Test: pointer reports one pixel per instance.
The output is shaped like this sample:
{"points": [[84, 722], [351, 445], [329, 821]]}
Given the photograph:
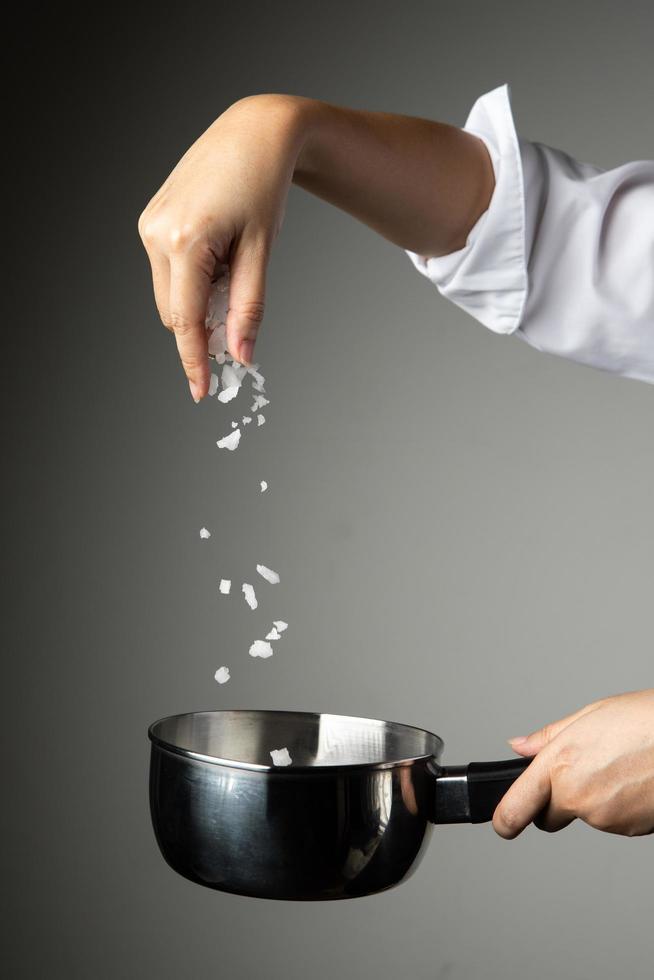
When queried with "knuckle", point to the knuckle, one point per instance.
{"points": [[180, 238], [251, 310], [508, 818], [190, 363], [146, 228], [177, 322]]}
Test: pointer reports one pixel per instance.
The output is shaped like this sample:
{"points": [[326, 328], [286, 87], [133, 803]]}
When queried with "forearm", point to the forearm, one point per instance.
{"points": [[420, 184]]}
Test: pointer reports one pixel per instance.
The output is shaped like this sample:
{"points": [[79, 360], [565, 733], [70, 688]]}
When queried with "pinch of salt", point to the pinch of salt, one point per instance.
{"points": [[246, 420], [229, 376], [273, 635], [227, 394], [261, 648], [204, 533], [264, 486], [260, 419], [250, 597], [280, 625], [213, 385], [231, 441], [268, 574], [222, 675], [216, 342], [225, 586], [281, 757]]}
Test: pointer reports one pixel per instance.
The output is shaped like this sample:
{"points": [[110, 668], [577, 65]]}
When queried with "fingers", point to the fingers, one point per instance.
{"points": [[190, 284], [247, 289], [530, 745], [529, 795]]}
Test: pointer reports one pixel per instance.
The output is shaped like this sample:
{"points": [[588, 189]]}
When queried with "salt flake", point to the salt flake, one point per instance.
{"points": [[281, 757], [231, 441], [222, 675], [204, 533], [227, 394], [260, 419], [268, 574], [264, 486], [273, 635], [225, 586], [234, 425], [261, 648], [250, 597], [213, 385], [280, 625], [246, 420]]}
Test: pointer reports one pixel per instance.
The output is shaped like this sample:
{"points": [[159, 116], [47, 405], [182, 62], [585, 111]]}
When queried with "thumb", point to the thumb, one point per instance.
{"points": [[529, 745], [247, 287]]}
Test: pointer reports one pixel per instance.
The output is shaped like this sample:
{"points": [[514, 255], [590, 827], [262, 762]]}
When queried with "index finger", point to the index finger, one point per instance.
{"points": [[530, 794], [190, 285]]}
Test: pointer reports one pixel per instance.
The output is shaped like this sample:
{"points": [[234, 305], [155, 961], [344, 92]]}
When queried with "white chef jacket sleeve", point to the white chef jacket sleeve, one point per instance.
{"points": [[563, 257]]}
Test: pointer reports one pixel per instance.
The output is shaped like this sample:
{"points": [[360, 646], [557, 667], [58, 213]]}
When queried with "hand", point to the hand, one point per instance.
{"points": [[597, 765], [222, 204]]}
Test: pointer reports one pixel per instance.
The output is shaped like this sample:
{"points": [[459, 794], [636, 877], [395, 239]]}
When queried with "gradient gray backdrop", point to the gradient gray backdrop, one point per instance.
{"points": [[463, 526]]}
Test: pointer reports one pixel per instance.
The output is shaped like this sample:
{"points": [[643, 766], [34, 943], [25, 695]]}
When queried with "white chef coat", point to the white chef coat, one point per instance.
{"points": [[563, 257]]}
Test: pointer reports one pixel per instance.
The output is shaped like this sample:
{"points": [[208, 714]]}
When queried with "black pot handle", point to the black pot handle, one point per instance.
{"points": [[469, 794]]}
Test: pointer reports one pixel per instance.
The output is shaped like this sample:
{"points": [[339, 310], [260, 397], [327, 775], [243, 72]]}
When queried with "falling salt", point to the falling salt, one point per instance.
{"points": [[231, 441], [261, 648], [204, 533], [268, 574], [260, 419], [213, 385], [222, 675], [264, 486], [227, 394], [225, 586], [273, 635], [280, 625], [281, 757], [250, 597]]}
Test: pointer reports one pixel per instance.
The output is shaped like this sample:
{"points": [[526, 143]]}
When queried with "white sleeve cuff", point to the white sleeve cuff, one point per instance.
{"points": [[488, 277]]}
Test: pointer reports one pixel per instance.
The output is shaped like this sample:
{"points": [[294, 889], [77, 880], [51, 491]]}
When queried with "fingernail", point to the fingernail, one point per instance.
{"points": [[195, 391], [518, 740], [245, 351]]}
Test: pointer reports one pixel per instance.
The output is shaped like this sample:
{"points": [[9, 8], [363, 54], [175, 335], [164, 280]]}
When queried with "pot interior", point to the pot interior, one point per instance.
{"points": [[245, 738]]}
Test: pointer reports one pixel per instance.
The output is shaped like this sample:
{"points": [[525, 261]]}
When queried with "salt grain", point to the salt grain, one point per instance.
{"points": [[280, 625], [264, 486], [260, 419], [281, 757], [273, 635], [213, 385], [234, 425], [246, 420], [204, 533], [250, 597], [225, 586], [261, 648], [222, 675], [227, 394], [231, 441], [268, 574]]}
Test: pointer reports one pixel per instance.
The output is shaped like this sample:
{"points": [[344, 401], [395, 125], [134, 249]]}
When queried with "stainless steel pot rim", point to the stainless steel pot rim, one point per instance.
{"points": [[293, 769]]}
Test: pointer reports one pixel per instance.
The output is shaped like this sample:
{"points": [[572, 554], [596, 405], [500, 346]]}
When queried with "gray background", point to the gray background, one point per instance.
{"points": [[463, 526]]}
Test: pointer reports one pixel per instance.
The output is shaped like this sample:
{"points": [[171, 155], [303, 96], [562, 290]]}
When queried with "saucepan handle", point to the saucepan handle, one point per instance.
{"points": [[469, 794]]}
